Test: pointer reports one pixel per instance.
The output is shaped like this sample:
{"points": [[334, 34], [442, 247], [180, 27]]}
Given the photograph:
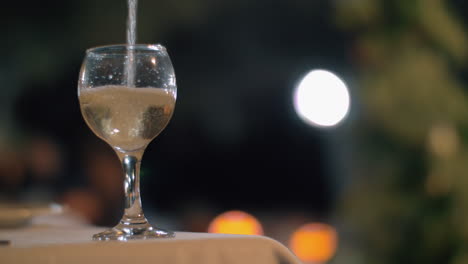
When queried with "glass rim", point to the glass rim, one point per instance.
{"points": [[123, 48]]}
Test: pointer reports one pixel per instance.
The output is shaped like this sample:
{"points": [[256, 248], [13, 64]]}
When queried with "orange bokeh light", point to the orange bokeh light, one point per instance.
{"points": [[236, 222], [314, 242]]}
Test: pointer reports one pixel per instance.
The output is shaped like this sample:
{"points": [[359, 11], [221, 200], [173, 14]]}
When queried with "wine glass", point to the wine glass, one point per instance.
{"points": [[127, 95]]}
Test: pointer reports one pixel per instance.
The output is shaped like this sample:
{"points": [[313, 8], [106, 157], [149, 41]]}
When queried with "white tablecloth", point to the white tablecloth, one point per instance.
{"points": [[72, 244]]}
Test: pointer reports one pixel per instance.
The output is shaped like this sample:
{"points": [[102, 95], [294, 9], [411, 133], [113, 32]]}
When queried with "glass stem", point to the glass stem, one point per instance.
{"points": [[133, 213]]}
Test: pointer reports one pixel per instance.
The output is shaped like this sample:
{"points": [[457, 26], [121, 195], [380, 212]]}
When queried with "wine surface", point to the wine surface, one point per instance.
{"points": [[126, 118]]}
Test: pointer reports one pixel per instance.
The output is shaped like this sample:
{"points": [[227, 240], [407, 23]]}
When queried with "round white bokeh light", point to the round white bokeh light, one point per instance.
{"points": [[321, 99]]}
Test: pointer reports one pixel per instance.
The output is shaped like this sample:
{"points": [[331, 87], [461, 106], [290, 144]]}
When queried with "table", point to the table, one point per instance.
{"points": [[45, 244]]}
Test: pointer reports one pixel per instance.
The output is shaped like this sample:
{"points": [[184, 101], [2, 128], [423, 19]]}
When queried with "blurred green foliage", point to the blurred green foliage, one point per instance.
{"points": [[409, 201]]}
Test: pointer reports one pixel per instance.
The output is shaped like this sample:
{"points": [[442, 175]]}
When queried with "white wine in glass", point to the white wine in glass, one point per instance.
{"points": [[128, 113]]}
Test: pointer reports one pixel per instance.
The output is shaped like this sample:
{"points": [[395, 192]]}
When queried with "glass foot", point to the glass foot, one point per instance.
{"points": [[124, 232]]}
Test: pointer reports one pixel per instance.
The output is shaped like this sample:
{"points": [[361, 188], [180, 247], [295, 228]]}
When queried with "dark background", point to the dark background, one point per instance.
{"points": [[234, 140]]}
